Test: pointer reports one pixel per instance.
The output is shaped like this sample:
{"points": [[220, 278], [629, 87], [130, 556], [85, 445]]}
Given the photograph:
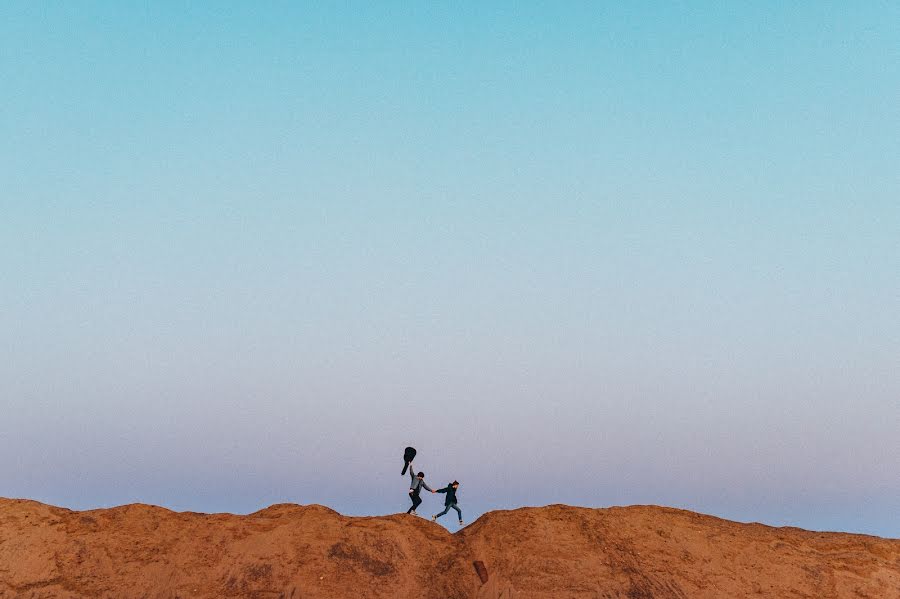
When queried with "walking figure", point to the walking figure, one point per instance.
{"points": [[417, 481], [449, 501]]}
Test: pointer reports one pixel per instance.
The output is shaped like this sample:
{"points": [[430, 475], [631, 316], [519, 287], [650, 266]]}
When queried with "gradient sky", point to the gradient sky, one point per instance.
{"points": [[580, 253]]}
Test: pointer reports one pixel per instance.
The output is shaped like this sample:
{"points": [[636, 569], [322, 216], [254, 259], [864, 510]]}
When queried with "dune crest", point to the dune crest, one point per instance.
{"points": [[312, 552]]}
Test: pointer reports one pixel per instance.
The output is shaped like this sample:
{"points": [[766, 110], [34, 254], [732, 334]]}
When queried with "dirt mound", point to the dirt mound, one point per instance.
{"points": [[312, 552]]}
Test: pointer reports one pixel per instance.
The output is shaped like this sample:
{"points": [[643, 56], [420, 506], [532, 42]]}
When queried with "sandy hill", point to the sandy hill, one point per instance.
{"points": [[312, 552]]}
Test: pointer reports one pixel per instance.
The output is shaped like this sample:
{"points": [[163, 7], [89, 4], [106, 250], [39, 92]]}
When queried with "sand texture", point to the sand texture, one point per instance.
{"points": [[312, 552]]}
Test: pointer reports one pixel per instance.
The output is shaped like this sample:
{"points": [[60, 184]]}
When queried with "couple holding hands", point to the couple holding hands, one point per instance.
{"points": [[417, 483]]}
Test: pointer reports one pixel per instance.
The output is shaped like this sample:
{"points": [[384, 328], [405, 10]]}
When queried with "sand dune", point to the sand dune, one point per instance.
{"points": [[312, 552]]}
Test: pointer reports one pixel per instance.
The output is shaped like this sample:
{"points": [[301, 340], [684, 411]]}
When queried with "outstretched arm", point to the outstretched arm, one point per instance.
{"points": [[444, 490], [427, 488]]}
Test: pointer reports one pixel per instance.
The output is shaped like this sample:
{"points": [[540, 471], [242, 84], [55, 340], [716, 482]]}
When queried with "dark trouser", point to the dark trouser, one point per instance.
{"points": [[447, 509], [416, 501]]}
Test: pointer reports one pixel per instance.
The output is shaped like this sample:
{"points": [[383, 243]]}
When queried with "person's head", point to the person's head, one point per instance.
{"points": [[455, 484], [421, 475]]}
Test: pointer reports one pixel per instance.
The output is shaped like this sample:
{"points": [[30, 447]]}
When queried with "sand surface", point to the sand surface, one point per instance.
{"points": [[312, 552]]}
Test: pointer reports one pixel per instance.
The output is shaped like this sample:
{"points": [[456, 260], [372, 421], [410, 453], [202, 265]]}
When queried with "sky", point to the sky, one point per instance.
{"points": [[585, 253]]}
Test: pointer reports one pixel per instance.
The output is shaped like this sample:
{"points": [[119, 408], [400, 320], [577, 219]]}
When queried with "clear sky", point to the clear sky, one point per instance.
{"points": [[573, 252]]}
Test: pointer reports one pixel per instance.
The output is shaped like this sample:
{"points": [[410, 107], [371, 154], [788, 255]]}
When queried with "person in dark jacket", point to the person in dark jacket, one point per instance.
{"points": [[449, 501], [417, 481]]}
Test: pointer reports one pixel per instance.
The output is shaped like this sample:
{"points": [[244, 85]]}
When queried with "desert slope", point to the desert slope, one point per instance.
{"points": [[312, 552]]}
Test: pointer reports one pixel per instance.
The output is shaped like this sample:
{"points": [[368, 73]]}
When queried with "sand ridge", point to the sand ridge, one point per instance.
{"points": [[290, 551]]}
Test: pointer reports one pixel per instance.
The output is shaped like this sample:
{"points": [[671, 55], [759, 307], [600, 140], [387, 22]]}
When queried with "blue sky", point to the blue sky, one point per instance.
{"points": [[590, 254]]}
